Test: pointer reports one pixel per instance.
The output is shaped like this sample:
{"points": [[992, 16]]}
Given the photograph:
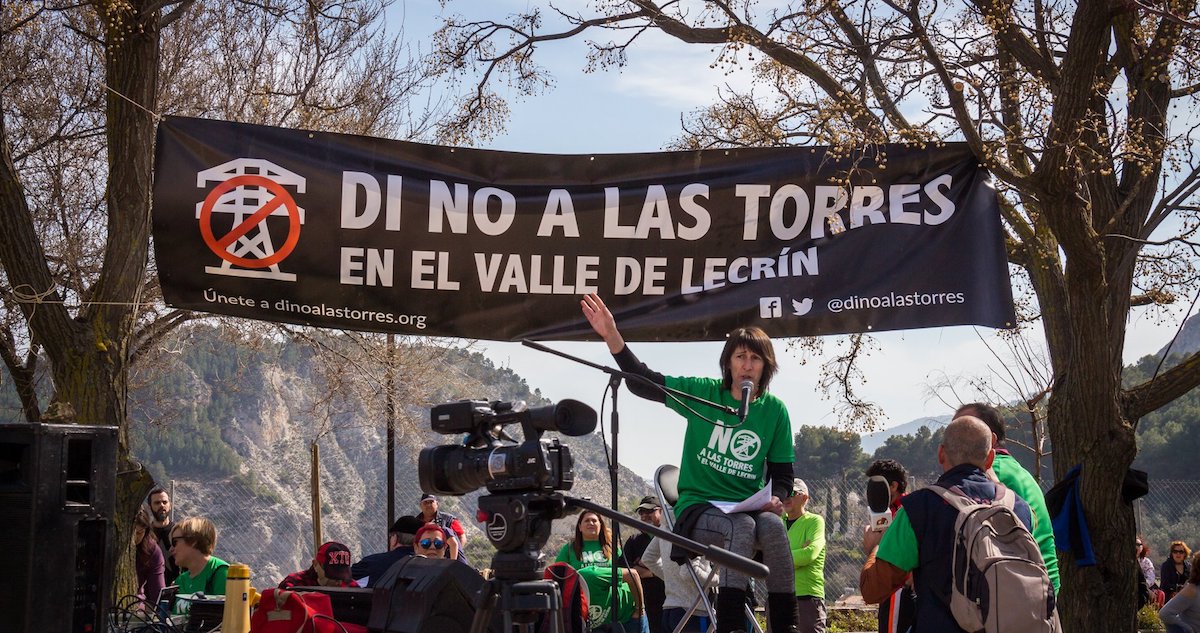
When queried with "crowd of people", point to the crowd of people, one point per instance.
{"points": [[910, 564]]}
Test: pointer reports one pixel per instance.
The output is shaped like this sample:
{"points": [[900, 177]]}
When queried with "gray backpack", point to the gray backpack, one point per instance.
{"points": [[999, 582]]}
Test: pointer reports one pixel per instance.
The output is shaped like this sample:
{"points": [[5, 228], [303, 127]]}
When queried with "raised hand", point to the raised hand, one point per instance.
{"points": [[602, 321]]}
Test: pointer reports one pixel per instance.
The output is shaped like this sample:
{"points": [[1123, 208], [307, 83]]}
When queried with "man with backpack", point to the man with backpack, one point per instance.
{"points": [[966, 541], [1009, 472]]}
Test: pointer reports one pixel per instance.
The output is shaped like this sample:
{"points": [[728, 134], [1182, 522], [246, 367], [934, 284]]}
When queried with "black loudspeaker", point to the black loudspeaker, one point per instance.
{"points": [[57, 498], [425, 595]]}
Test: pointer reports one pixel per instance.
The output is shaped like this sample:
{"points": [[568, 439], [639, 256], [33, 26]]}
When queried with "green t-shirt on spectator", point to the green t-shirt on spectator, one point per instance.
{"points": [[806, 536], [899, 543], [593, 554], [210, 581], [1010, 473], [599, 584]]}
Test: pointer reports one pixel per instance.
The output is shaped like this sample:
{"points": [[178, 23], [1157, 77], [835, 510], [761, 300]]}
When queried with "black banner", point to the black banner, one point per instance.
{"points": [[371, 234]]}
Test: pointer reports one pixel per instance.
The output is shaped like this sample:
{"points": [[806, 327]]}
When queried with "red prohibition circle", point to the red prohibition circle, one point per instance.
{"points": [[220, 246]]}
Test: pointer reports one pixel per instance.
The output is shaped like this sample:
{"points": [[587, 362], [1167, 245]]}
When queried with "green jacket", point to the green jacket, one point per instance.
{"points": [[806, 535], [1010, 473]]}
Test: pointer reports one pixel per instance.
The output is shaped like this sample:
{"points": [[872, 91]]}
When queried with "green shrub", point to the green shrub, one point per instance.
{"points": [[1147, 620], [843, 620]]}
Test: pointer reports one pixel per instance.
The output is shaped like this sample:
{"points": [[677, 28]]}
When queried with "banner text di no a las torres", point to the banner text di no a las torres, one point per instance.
{"points": [[372, 234]]}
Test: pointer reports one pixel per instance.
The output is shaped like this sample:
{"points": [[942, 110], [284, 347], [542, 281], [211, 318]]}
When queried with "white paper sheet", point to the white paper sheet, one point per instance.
{"points": [[752, 503]]}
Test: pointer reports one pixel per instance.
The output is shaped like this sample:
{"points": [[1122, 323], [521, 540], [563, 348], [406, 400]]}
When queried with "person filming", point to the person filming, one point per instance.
{"points": [[727, 459]]}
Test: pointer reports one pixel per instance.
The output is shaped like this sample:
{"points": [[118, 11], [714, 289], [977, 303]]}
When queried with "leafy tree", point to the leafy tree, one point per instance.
{"points": [[82, 86], [827, 454], [917, 452], [824, 452], [1074, 108]]}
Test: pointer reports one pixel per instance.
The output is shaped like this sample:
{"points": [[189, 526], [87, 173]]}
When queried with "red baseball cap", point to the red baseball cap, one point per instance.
{"points": [[334, 558]]}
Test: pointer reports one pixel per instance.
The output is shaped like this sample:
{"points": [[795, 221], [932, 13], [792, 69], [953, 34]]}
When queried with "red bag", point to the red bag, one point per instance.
{"points": [[284, 611], [574, 594]]}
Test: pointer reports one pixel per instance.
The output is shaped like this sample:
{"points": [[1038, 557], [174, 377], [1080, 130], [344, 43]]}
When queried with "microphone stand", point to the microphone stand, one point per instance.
{"points": [[638, 377], [614, 467], [614, 383]]}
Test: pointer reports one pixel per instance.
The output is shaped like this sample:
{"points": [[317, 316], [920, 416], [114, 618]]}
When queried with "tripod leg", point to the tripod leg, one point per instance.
{"points": [[483, 607], [556, 602]]}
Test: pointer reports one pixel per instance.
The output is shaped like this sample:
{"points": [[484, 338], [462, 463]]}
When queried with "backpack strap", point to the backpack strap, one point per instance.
{"points": [[957, 499], [1005, 497], [953, 496]]}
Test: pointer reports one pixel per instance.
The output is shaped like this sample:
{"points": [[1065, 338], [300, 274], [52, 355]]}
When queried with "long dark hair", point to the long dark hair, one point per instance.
{"points": [[605, 536], [145, 547], [757, 341]]}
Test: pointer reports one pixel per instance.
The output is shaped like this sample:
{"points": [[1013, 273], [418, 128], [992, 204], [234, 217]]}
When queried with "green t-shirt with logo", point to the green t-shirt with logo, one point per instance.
{"points": [[727, 464], [593, 554], [599, 584]]}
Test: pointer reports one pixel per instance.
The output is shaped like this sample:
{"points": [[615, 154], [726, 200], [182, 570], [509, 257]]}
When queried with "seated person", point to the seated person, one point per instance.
{"points": [[400, 545], [331, 568], [716, 466], [192, 542], [432, 541], [1181, 614], [431, 513]]}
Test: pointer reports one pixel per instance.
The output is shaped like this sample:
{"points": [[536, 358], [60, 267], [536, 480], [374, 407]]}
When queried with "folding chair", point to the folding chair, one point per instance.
{"points": [[666, 487]]}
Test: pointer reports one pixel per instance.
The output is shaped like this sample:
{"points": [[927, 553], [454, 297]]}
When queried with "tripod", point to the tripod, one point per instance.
{"points": [[518, 525]]}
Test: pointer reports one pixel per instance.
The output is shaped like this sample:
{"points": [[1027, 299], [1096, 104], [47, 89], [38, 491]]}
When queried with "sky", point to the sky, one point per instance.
{"points": [[639, 109]]}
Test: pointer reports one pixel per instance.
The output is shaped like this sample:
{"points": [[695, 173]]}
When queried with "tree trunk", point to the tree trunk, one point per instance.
{"points": [[95, 376], [1086, 425]]}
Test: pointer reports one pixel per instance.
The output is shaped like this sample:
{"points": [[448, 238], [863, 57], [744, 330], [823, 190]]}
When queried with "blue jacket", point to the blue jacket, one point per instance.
{"points": [[373, 566]]}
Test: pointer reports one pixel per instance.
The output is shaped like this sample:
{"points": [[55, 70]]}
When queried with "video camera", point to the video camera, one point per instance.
{"points": [[489, 456]]}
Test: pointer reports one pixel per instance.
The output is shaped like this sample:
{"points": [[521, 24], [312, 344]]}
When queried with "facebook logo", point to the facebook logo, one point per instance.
{"points": [[770, 307]]}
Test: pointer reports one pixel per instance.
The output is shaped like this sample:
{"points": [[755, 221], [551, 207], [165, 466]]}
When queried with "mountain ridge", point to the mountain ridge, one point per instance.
{"points": [[1188, 340]]}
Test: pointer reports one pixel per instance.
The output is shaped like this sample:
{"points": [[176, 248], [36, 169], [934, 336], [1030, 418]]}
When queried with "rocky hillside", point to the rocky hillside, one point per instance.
{"points": [[230, 426], [1188, 340]]}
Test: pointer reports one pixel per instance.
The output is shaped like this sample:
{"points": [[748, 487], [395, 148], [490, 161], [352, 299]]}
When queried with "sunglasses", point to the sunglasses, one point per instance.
{"points": [[1178, 551], [432, 543]]}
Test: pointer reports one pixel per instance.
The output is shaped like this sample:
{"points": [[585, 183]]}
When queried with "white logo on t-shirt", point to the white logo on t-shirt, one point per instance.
{"points": [[745, 445]]}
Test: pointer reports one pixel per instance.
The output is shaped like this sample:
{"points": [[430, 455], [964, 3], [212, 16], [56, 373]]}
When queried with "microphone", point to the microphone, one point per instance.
{"points": [[744, 405], [879, 496]]}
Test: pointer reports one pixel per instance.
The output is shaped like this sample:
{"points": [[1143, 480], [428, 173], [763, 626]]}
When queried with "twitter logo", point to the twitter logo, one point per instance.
{"points": [[801, 308]]}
